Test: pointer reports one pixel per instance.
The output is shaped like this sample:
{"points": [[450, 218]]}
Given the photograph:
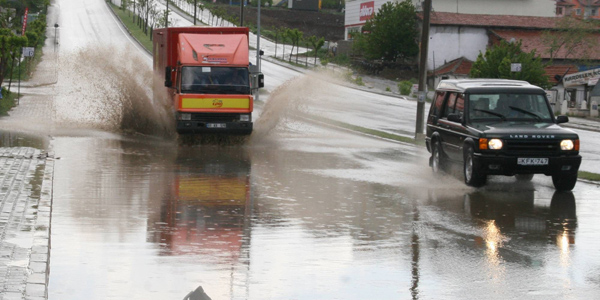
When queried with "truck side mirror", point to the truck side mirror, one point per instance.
{"points": [[261, 80], [168, 82]]}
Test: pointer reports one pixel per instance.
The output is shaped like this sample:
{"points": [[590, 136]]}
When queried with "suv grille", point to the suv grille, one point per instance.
{"points": [[215, 117], [524, 147]]}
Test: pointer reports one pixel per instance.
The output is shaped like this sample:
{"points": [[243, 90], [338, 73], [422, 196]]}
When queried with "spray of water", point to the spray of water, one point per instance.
{"points": [[286, 104], [106, 88]]}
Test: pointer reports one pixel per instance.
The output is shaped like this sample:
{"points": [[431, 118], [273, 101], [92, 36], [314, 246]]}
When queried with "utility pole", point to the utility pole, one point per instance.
{"points": [[167, 15], [195, 8], [241, 13], [422, 95]]}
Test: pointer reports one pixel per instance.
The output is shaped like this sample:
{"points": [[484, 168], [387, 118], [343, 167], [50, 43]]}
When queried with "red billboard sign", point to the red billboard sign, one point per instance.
{"points": [[367, 10], [24, 21]]}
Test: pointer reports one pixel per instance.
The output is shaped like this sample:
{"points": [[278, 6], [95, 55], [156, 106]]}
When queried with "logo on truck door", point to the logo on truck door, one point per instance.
{"points": [[218, 103]]}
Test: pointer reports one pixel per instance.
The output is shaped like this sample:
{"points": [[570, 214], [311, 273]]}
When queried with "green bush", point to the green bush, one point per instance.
{"points": [[404, 87], [7, 102], [359, 81]]}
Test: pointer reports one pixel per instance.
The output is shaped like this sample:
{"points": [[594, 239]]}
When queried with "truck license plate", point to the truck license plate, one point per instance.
{"points": [[532, 161], [216, 125]]}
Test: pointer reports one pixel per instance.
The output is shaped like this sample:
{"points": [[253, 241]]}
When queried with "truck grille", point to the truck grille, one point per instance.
{"points": [[221, 118], [532, 147]]}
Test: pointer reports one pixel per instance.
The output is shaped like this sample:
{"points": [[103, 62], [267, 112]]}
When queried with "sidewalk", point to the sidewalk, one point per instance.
{"points": [[25, 207]]}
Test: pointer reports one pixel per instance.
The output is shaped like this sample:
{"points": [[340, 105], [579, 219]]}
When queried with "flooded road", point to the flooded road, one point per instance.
{"points": [[314, 215]]}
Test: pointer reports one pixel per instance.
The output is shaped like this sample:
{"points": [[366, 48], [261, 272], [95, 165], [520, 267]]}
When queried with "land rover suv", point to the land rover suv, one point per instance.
{"points": [[500, 127]]}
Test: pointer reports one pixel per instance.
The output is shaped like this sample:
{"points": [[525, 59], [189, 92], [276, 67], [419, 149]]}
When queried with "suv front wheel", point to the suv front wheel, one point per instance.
{"points": [[472, 173], [564, 182], [437, 158]]}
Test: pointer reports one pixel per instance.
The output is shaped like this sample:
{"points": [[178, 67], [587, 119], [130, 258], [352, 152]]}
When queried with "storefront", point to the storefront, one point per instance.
{"points": [[578, 88]]}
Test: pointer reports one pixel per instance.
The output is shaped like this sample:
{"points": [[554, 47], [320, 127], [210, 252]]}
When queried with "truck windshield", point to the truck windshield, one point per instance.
{"points": [[509, 107], [215, 80]]}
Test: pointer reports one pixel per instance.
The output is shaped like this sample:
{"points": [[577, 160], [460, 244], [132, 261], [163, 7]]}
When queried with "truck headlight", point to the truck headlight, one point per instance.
{"points": [[245, 118], [495, 144], [185, 116], [567, 145]]}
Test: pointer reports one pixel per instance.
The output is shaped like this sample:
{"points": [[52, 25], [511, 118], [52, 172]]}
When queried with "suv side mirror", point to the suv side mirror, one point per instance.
{"points": [[168, 82], [562, 119], [455, 118]]}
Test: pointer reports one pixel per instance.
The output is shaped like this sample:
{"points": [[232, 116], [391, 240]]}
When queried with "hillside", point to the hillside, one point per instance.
{"points": [[329, 25]]}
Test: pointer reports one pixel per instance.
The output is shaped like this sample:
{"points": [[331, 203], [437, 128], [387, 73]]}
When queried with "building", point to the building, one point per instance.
{"points": [[359, 11], [587, 9], [457, 39]]}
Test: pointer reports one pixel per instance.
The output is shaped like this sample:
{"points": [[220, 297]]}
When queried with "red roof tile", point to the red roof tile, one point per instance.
{"points": [[459, 66], [532, 40], [497, 21], [560, 70]]}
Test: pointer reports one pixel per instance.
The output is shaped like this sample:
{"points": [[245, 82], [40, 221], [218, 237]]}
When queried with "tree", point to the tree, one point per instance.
{"points": [[278, 33], [10, 47], [572, 38], [316, 44], [295, 36], [496, 63], [391, 34]]}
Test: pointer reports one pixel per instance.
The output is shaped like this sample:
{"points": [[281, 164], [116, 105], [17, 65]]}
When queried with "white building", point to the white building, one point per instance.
{"points": [[359, 11]]}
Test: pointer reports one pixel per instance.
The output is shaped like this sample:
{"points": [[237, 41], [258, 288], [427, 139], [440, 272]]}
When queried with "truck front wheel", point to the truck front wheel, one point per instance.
{"points": [[473, 175], [564, 182]]}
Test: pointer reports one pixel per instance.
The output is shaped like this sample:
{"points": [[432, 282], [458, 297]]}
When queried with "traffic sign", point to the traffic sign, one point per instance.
{"points": [[28, 51]]}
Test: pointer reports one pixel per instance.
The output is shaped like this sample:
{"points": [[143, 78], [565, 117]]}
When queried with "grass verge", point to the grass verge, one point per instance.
{"points": [[589, 176], [134, 30], [7, 102]]}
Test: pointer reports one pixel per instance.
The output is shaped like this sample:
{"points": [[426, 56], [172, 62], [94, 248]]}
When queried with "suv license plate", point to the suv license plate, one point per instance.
{"points": [[216, 125], [532, 161]]}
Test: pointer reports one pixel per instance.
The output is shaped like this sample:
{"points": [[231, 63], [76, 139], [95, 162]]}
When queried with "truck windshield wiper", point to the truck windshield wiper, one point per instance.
{"points": [[501, 116], [526, 112]]}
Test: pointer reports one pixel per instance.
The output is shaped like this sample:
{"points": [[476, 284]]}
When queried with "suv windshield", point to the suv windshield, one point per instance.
{"points": [[508, 107], [215, 80]]}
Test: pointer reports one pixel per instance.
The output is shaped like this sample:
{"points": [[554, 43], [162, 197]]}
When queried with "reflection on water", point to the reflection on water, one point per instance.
{"points": [[512, 212], [205, 209], [15, 139]]}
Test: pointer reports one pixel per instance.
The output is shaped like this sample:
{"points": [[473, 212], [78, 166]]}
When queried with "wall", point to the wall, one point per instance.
{"points": [[452, 42], [539, 8]]}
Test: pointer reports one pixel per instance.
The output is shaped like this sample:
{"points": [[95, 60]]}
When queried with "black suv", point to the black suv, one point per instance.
{"points": [[500, 127]]}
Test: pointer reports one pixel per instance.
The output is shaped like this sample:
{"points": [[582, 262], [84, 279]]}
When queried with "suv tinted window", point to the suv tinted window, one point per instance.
{"points": [[460, 105], [510, 107], [436, 108], [449, 108]]}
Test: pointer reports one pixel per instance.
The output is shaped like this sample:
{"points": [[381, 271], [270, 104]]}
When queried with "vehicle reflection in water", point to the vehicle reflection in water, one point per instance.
{"points": [[503, 213], [509, 226], [508, 215], [205, 210]]}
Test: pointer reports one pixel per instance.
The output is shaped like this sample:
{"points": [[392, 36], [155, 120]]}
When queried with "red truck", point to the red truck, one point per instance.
{"points": [[207, 78]]}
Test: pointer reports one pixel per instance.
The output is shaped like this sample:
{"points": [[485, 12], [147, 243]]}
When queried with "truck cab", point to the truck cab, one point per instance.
{"points": [[207, 77]]}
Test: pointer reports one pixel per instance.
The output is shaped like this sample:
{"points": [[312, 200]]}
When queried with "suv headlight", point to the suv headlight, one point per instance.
{"points": [[492, 144], [495, 144], [567, 145]]}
